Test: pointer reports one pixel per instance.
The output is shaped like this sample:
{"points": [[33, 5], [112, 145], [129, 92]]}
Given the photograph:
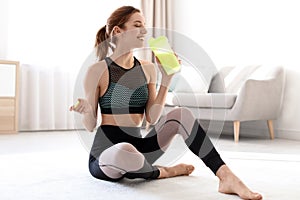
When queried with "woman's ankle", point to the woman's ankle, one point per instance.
{"points": [[223, 172]]}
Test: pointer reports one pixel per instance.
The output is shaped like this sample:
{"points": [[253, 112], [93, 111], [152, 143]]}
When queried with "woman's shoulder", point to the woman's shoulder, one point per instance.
{"points": [[148, 66], [100, 65], [149, 69], [97, 68], [96, 71], [146, 63]]}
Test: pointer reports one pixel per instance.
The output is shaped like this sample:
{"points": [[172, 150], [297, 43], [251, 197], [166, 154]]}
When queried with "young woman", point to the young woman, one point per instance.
{"points": [[125, 89]]}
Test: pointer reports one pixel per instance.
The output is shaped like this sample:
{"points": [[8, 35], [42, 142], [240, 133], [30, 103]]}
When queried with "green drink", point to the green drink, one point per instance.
{"points": [[165, 54]]}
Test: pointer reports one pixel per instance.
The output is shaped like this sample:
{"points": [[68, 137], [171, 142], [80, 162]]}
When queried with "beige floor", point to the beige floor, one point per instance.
{"points": [[53, 165]]}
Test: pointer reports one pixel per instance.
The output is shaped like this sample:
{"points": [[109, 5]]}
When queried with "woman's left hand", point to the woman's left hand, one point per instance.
{"points": [[166, 79]]}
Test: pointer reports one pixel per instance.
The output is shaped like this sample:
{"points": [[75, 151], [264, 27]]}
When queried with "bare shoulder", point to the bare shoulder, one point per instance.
{"points": [[97, 68], [148, 66], [149, 69], [145, 62], [96, 71]]}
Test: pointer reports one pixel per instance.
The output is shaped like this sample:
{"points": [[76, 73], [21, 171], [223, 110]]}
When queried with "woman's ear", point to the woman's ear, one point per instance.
{"points": [[116, 30]]}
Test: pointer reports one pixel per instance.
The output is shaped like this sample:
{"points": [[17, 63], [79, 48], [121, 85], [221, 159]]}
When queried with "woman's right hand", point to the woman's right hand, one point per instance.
{"points": [[81, 106]]}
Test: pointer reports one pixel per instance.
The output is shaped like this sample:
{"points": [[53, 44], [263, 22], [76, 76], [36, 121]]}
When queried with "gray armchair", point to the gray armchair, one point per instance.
{"points": [[237, 94]]}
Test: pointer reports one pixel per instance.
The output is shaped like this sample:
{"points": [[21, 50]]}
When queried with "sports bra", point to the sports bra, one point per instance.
{"points": [[127, 91]]}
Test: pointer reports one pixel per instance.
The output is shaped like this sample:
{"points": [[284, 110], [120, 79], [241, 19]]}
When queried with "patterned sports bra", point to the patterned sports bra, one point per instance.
{"points": [[127, 91]]}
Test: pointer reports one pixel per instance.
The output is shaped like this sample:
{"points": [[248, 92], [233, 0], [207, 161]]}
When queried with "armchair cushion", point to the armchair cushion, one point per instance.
{"points": [[204, 100]]}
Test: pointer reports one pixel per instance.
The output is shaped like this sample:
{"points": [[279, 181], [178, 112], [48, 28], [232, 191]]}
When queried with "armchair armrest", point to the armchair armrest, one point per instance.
{"points": [[259, 99]]}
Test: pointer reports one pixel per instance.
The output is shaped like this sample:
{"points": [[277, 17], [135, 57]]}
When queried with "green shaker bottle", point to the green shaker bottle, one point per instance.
{"points": [[165, 54]]}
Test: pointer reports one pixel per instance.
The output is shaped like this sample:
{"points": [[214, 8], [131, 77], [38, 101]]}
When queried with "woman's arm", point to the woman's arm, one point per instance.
{"points": [[91, 90], [88, 107], [156, 101]]}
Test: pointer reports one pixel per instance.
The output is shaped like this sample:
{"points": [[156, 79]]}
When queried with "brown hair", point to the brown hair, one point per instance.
{"points": [[118, 18]]}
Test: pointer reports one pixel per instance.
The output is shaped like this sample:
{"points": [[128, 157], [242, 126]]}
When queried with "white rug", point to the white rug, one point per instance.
{"points": [[64, 175]]}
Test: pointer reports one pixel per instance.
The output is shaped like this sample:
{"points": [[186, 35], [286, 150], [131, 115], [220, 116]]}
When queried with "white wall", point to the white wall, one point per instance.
{"points": [[235, 32], [56, 32], [3, 28]]}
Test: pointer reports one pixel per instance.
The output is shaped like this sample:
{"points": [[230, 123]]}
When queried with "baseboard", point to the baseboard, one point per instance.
{"points": [[255, 129], [288, 134]]}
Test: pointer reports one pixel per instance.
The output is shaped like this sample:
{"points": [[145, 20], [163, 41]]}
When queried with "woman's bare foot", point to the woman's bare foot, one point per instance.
{"points": [[231, 184], [177, 170]]}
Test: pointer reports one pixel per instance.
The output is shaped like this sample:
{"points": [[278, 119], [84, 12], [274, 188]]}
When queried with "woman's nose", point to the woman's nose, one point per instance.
{"points": [[143, 30]]}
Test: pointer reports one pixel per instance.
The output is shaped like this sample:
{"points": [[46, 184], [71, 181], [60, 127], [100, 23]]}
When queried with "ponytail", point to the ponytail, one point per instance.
{"points": [[103, 40], [102, 43]]}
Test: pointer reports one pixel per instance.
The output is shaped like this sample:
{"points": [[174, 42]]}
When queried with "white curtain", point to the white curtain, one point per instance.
{"points": [[45, 96], [158, 15]]}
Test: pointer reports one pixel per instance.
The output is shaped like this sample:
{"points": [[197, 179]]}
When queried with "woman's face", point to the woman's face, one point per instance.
{"points": [[133, 34]]}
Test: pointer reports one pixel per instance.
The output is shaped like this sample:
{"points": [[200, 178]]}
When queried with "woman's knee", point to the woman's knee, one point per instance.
{"points": [[174, 119], [180, 113], [122, 153], [185, 119], [124, 146]]}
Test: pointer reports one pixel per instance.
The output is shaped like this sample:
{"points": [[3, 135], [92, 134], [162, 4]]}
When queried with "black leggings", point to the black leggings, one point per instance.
{"points": [[148, 147]]}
